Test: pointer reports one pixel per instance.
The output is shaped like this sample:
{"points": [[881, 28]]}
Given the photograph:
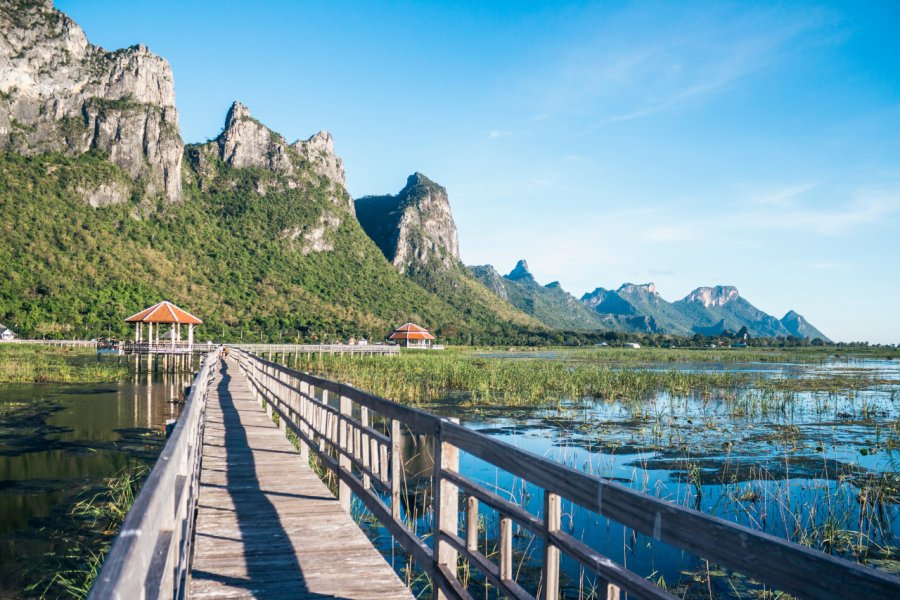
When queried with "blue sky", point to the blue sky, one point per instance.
{"points": [[687, 144]]}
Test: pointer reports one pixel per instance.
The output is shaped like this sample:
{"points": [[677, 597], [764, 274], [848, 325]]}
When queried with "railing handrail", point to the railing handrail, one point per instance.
{"points": [[150, 554], [70, 343], [788, 566], [319, 348]]}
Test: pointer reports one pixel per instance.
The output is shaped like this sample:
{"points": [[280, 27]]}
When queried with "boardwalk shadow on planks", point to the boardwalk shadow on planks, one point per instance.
{"points": [[268, 551]]}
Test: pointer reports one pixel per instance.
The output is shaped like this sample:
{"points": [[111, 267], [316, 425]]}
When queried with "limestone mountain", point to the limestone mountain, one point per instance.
{"points": [[712, 310], [798, 326], [549, 304], [647, 302], [246, 143], [264, 244], [639, 308], [414, 228], [59, 93], [416, 233]]}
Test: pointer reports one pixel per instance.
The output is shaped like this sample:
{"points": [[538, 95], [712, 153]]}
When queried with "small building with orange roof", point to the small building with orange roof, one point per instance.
{"points": [[163, 313], [411, 335]]}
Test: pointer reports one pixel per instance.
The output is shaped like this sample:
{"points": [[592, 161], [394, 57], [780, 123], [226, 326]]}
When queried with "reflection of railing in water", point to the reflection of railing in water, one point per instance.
{"points": [[366, 461], [150, 555]]}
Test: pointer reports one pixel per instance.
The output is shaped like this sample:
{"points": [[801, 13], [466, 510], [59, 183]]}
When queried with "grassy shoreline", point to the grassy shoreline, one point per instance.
{"points": [[21, 363]]}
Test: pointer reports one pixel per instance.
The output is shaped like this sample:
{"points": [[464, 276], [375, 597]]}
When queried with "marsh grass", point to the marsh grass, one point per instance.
{"points": [[427, 377], [21, 363], [98, 515]]}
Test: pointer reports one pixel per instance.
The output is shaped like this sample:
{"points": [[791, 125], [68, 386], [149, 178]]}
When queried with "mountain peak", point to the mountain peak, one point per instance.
{"points": [[419, 179], [414, 227], [719, 295], [237, 112], [635, 288], [520, 271], [318, 151]]}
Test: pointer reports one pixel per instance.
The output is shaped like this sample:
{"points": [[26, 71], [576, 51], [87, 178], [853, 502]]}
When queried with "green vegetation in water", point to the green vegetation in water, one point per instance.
{"points": [[793, 355], [422, 377], [26, 363], [99, 516]]}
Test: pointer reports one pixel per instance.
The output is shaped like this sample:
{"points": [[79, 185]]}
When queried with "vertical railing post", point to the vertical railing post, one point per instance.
{"points": [[396, 466], [364, 445], [306, 413], [472, 524], [506, 572], [552, 517], [343, 446], [446, 505]]}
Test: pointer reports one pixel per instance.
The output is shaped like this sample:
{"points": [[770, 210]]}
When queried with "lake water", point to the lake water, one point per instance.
{"points": [[57, 445], [819, 468]]}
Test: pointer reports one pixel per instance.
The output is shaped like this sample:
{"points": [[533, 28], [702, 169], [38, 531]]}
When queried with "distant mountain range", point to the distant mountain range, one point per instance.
{"points": [[640, 309]]}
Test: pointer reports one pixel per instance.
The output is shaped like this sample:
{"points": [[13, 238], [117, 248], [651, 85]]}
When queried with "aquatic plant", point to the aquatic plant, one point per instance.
{"points": [[21, 363]]}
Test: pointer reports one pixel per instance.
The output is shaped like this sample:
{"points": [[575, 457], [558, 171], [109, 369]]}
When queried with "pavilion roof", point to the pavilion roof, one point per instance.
{"points": [[411, 331], [164, 312]]}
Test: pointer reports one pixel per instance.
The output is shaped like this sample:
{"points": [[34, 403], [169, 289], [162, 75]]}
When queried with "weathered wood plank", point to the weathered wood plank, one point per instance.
{"points": [[266, 525]]}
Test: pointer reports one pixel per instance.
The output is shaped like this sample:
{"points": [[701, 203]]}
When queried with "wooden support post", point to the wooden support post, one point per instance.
{"points": [[396, 466], [446, 505], [552, 516], [343, 459], [612, 592], [363, 440], [472, 524], [506, 570]]}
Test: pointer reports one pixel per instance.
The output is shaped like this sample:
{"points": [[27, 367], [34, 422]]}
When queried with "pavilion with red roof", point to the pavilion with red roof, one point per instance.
{"points": [[411, 335], [163, 313]]}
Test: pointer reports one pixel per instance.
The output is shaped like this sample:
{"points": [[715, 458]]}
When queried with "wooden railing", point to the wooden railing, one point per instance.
{"points": [[337, 349], [150, 556], [60, 343], [178, 347], [367, 462]]}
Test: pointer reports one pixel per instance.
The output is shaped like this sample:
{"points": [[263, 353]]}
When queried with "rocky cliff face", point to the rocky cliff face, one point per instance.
{"points": [[491, 279], [246, 143], [59, 93], [415, 228], [719, 295]]}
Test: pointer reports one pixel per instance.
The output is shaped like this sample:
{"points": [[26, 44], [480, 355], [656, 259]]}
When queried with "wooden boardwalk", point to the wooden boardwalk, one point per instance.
{"points": [[267, 527]]}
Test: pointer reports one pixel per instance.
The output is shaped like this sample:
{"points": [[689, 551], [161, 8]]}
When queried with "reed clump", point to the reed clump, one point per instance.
{"points": [[99, 515], [426, 377], [21, 363]]}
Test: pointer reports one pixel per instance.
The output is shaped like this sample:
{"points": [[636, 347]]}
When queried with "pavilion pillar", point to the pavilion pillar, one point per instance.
{"points": [[190, 335]]}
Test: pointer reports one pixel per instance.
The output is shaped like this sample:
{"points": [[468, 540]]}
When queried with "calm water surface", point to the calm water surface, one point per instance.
{"points": [[57, 444]]}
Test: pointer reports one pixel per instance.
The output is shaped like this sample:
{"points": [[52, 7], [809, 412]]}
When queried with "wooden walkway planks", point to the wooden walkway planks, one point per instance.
{"points": [[266, 525]]}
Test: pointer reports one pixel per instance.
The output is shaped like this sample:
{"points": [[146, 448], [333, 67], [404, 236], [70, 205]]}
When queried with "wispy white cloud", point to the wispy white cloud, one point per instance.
{"points": [[784, 196], [495, 134], [865, 208], [648, 60], [662, 234]]}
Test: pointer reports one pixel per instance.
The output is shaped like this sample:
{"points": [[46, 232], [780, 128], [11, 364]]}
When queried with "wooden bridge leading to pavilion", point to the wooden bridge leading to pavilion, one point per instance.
{"points": [[233, 508]]}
